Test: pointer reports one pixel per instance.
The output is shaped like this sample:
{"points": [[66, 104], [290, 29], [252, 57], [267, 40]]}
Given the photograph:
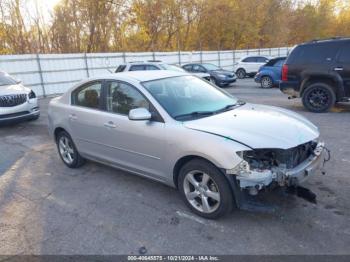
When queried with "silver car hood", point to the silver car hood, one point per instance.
{"points": [[13, 90], [259, 126]]}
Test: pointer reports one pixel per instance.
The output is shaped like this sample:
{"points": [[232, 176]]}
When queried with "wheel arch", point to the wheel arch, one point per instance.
{"points": [[333, 82], [57, 131]]}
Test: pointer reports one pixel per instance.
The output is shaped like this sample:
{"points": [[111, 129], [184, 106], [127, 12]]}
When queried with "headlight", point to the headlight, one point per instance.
{"points": [[242, 168], [31, 95]]}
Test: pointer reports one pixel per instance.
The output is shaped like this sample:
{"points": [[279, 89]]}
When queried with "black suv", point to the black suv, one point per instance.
{"points": [[319, 73]]}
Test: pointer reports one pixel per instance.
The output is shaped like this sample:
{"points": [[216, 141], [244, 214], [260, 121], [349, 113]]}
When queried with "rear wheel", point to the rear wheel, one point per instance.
{"points": [[319, 98], [241, 73], [205, 190], [67, 150], [266, 82]]}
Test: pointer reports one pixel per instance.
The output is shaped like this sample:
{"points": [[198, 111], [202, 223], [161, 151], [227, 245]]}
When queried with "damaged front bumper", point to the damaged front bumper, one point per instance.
{"points": [[258, 179]]}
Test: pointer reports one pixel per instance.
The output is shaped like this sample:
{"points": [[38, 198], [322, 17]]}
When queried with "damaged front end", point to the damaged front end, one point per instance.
{"points": [[261, 168]]}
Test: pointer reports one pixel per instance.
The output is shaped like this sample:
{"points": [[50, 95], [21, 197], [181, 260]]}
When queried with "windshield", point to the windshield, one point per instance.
{"points": [[172, 68], [5, 80], [211, 67], [188, 97]]}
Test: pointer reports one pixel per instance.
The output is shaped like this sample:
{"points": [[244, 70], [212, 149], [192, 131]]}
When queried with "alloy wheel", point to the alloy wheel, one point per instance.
{"points": [[201, 191], [266, 82], [66, 149], [318, 98]]}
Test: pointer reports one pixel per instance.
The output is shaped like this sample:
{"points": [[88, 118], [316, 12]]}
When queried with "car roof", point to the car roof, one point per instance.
{"points": [[141, 76]]}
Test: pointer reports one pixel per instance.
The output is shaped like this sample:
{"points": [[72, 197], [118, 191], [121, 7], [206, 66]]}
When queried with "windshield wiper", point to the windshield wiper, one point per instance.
{"points": [[195, 114], [230, 106]]}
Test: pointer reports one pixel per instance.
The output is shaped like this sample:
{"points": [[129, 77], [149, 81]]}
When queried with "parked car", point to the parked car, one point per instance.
{"points": [[218, 76], [156, 65], [269, 75], [182, 131], [249, 66], [319, 73], [17, 102]]}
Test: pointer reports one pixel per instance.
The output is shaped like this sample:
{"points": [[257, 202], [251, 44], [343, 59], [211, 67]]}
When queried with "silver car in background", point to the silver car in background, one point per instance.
{"points": [[185, 132], [17, 102]]}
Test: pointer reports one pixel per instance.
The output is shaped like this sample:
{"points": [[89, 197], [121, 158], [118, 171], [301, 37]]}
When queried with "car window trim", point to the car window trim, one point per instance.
{"points": [[153, 109]]}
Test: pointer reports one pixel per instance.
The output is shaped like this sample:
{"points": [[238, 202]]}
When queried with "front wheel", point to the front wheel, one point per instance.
{"points": [[212, 80], [266, 82], [67, 150], [205, 189], [319, 98], [241, 73]]}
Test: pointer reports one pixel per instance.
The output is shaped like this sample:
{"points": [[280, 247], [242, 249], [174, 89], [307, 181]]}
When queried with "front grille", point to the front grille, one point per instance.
{"points": [[289, 158], [12, 100]]}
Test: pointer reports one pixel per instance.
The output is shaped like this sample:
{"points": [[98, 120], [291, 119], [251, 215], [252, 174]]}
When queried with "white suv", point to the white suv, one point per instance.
{"points": [[156, 65], [249, 66], [16, 101]]}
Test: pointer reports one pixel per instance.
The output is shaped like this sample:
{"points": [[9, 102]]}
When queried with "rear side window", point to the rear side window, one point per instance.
{"points": [[262, 59], [344, 55], [249, 60], [279, 62], [88, 95], [314, 53], [120, 68], [137, 68]]}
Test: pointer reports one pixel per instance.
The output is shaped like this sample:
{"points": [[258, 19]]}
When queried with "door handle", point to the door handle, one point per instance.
{"points": [[73, 117], [338, 69], [110, 124]]}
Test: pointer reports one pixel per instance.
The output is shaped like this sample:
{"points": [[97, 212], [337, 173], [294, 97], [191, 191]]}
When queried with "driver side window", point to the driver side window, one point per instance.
{"points": [[121, 98]]}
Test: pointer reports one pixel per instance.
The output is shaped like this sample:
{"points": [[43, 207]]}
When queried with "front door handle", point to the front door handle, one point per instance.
{"points": [[338, 69], [110, 124], [73, 117]]}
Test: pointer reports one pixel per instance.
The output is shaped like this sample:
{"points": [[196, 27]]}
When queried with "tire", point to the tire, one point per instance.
{"points": [[213, 81], [266, 82], [216, 191], [318, 98], [241, 73], [68, 151]]}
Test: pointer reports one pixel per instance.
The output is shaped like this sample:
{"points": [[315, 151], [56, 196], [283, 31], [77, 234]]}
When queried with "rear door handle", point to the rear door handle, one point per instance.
{"points": [[110, 124], [338, 69], [73, 117]]}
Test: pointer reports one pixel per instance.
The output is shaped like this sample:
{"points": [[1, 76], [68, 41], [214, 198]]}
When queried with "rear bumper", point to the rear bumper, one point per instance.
{"points": [[290, 88]]}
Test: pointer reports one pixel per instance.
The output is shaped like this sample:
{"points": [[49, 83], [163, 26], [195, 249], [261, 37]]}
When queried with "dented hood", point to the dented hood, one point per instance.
{"points": [[259, 126]]}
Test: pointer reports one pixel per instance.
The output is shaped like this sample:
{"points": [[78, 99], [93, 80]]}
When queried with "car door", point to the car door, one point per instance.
{"points": [[342, 66], [248, 64], [85, 123], [138, 146]]}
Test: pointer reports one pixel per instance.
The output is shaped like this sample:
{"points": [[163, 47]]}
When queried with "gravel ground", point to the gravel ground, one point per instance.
{"points": [[46, 208]]}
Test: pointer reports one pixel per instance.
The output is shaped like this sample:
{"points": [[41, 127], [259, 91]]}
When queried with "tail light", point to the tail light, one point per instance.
{"points": [[285, 72]]}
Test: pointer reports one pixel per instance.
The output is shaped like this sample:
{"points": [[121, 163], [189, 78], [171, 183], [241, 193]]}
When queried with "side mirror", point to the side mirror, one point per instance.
{"points": [[139, 114]]}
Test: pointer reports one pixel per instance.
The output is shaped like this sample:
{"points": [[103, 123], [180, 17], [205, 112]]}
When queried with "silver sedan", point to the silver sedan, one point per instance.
{"points": [[185, 132]]}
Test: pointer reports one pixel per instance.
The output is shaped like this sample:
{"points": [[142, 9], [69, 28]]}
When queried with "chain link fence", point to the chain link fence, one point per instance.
{"points": [[50, 74]]}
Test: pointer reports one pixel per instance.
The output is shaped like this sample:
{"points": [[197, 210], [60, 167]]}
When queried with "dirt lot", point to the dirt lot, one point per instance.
{"points": [[46, 208]]}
